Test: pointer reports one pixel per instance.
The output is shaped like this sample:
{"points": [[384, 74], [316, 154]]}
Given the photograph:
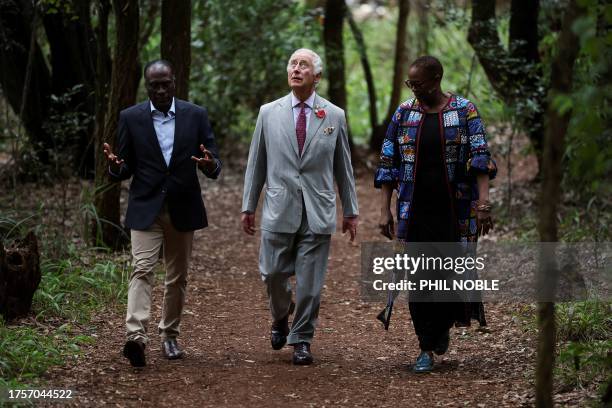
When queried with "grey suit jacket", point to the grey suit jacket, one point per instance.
{"points": [[274, 161]]}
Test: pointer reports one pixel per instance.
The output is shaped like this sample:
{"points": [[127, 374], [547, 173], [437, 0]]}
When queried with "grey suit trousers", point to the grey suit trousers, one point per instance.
{"points": [[303, 254]]}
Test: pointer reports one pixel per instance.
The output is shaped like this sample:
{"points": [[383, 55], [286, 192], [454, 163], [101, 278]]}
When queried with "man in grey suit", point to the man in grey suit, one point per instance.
{"points": [[299, 145]]}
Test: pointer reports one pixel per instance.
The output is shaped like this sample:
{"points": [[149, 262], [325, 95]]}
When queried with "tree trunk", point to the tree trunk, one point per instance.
{"points": [[21, 267], [16, 17], [334, 55], [176, 41], [72, 47], [124, 84], [399, 73], [72, 58], [422, 41], [554, 147], [515, 74], [367, 71], [334, 51], [523, 48], [149, 14], [103, 75], [401, 60]]}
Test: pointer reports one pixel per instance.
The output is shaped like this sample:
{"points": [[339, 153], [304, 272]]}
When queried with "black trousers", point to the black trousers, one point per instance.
{"points": [[433, 312]]}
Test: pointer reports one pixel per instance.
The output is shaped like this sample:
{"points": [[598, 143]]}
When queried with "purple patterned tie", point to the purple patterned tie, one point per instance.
{"points": [[300, 127]]}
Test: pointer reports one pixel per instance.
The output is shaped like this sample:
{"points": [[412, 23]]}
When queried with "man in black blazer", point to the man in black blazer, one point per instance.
{"points": [[161, 142]]}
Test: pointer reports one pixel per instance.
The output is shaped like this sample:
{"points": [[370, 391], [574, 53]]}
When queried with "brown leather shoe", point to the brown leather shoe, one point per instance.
{"points": [[134, 351], [171, 350], [280, 330], [302, 354]]}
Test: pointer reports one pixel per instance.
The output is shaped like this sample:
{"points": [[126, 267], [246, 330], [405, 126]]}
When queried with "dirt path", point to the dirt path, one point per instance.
{"points": [[230, 361]]}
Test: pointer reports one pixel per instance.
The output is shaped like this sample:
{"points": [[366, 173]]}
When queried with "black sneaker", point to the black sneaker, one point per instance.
{"points": [[301, 354]]}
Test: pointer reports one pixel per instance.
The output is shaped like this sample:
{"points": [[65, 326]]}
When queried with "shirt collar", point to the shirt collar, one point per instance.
{"points": [[309, 102], [172, 109]]}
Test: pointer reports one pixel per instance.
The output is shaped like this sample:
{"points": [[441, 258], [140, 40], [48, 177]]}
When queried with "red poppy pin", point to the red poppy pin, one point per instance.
{"points": [[320, 112]]}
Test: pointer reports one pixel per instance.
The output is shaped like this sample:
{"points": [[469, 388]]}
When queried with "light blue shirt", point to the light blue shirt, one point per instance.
{"points": [[164, 129]]}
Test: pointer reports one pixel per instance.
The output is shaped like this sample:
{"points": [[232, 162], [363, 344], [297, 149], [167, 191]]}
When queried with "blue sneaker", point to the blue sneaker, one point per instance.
{"points": [[424, 363]]}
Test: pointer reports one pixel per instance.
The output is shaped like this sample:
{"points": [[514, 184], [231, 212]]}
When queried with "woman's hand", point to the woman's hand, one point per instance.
{"points": [[484, 222], [386, 224]]}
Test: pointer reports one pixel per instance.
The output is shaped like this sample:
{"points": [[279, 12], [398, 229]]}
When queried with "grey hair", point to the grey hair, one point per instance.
{"points": [[316, 60]]}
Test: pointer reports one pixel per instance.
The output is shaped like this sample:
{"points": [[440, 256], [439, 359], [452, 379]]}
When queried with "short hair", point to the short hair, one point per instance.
{"points": [[429, 64], [163, 62], [316, 60]]}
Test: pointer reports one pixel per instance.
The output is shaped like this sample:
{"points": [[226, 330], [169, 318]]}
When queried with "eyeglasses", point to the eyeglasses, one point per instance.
{"points": [[302, 65], [418, 84]]}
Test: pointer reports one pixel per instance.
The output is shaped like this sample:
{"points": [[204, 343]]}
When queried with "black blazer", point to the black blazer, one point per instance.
{"points": [[153, 181]]}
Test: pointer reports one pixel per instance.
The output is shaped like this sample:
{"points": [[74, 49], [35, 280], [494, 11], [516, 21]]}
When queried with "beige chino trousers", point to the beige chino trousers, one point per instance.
{"points": [[145, 254]]}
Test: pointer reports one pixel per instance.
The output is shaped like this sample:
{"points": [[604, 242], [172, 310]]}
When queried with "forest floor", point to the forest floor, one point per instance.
{"points": [[229, 361]]}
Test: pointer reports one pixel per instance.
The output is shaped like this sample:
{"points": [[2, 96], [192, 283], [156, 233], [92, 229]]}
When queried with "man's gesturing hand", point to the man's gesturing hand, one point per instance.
{"points": [[350, 224], [207, 162], [248, 223], [113, 161]]}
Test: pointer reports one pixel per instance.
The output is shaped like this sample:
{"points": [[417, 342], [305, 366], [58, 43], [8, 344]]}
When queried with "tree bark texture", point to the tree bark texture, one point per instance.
{"points": [[334, 51], [16, 18], [367, 71], [335, 11], [176, 41], [554, 148], [401, 60], [399, 74], [124, 84], [73, 62], [103, 75], [422, 11], [514, 74], [149, 15]]}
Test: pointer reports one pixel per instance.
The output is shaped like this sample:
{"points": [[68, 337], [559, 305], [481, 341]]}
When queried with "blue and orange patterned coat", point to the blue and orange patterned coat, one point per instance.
{"points": [[465, 154]]}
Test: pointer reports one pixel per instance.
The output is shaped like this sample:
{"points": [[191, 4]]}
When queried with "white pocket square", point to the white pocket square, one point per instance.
{"points": [[329, 130]]}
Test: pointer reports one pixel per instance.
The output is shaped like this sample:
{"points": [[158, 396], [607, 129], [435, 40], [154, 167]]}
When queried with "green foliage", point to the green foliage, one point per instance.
{"points": [[447, 40], [77, 283], [584, 330], [64, 7], [584, 321], [584, 338], [90, 216], [12, 228], [76, 287], [240, 54], [588, 155], [27, 352], [66, 125], [588, 222], [71, 291], [24, 353]]}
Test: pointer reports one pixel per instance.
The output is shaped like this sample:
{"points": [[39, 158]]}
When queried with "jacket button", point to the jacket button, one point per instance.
{"points": [[164, 191]]}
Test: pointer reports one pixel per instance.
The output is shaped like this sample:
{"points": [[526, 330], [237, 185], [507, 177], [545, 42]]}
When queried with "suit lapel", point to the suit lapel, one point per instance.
{"points": [[179, 123], [315, 123], [150, 135], [288, 123]]}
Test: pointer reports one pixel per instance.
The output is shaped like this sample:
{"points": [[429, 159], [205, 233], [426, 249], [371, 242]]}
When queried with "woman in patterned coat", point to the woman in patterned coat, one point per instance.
{"points": [[435, 154]]}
